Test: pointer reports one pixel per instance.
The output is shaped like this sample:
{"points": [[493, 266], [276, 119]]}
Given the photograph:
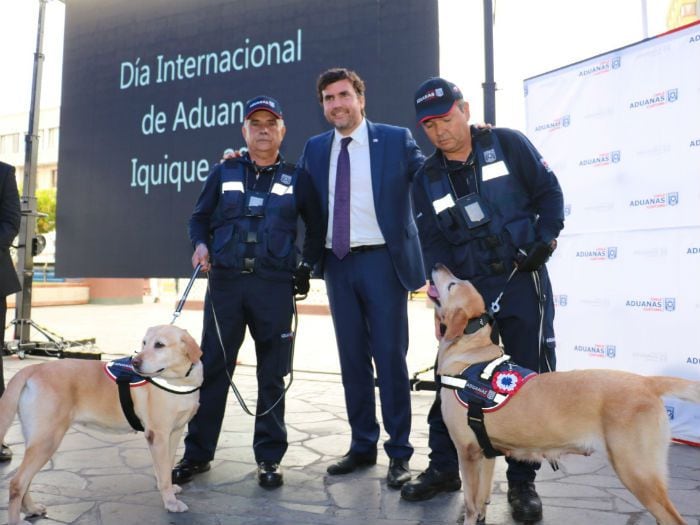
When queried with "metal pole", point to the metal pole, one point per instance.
{"points": [[25, 261], [489, 85], [645, 20]]}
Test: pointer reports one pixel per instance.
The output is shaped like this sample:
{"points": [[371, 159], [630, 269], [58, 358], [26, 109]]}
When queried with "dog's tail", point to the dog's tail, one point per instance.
{"points": [[676, 387], [10, 398]]}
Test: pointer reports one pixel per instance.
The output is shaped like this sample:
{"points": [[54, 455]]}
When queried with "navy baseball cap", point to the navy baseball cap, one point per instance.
{"points": [[435, 98], [263, 103]]}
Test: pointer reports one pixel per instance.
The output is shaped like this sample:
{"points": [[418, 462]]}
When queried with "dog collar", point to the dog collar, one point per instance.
{"points": [[478, 323], [169, 387]]}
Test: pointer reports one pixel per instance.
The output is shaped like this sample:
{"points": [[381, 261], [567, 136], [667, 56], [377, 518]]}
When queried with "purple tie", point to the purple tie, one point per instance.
{"points": [[341, 206]]}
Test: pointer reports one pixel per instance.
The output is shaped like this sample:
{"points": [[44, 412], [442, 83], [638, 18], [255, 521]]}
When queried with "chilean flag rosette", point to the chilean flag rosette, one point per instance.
{"points": [[507, 381]]}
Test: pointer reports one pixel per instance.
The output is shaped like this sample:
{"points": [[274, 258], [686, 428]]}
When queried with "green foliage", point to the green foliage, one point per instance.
{"points": [[46, 203]]}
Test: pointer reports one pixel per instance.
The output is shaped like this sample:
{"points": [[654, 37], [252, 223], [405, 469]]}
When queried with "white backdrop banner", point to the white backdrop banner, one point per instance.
{"points": [[622, 133]]}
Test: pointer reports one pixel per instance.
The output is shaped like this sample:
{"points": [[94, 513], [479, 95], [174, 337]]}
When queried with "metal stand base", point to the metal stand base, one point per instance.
{"points": [[54, 346]]}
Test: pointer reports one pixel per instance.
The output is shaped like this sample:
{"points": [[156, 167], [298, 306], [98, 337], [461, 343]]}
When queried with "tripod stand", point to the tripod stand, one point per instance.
{"points": [[29, 242]]}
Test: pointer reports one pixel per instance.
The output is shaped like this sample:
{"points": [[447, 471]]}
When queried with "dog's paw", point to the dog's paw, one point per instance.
{"points": [[176, 489], [176, 506], [36, 509]]}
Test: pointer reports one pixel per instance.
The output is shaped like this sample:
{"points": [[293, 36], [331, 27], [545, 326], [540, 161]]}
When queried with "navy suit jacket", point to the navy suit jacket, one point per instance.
{"points": [[394, 158]]}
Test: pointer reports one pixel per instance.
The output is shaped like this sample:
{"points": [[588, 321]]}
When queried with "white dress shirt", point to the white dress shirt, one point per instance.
{"points": [[364, 227]]}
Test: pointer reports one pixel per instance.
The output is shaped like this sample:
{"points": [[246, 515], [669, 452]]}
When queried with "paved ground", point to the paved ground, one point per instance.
{"points": [[103, 479]]}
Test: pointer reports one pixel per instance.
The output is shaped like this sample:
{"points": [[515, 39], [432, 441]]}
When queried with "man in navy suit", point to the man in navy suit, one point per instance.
{"points": [[368, 280]]}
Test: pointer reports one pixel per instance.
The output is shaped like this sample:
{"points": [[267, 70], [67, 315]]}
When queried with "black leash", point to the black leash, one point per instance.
{"points": [[240, 399], [181, 304]]}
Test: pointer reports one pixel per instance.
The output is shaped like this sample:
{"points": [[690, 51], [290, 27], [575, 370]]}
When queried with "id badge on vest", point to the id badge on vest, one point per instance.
{"points": [[473, 210], [255, 202]]}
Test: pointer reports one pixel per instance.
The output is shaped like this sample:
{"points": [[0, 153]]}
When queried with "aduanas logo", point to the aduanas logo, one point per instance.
{"points": [[433, 93], [652, 304], [694, 38], [598, 254], [597, 350], [561, 300], [602, 159], [670, 412], [695, 143], [657, 99], [693, 250], [660, 200], [693, 360], [556, 124], [602, 67]]}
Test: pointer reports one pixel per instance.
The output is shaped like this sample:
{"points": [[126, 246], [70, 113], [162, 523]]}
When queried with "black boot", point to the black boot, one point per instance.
{"points": [[524, 501], [429, 483]]}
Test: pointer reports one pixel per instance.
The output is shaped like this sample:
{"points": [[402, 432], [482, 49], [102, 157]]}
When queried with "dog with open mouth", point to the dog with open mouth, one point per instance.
{"points": [[533, 417]]}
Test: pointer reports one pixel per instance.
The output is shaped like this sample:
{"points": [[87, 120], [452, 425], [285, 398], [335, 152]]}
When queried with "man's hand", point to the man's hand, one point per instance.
{"points": [[201, 256], [302, 276], [532, 258], [230, 153]]}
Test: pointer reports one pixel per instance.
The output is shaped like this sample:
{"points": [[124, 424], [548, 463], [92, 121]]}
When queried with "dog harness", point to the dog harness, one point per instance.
{"points": [[122, 372], [486, 387]]}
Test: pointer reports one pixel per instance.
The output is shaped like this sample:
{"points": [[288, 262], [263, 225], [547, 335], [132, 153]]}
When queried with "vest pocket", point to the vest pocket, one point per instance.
{"points": [[279, 244], [222, 249]]}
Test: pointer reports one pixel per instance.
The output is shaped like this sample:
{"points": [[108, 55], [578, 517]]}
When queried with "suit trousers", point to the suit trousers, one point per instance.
{"points": [[265, 307], [369, 309], [518, 325]]}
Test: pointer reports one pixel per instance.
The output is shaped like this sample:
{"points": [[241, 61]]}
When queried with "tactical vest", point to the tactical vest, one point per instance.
{"points": [[488, 248], [255, 231]]}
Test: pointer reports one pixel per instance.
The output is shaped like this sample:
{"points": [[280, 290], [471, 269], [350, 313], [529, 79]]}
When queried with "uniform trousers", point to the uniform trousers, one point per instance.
{"points": [[235, 301]]}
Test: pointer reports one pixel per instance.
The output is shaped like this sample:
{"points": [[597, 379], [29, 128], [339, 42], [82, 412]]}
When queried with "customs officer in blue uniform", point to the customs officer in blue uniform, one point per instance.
{"points": [[363, 173], [486, 203], [243, 229]]}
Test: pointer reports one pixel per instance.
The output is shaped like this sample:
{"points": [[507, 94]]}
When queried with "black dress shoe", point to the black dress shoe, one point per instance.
{"points": [[269, 475], [5, 453], [524, 501], [398, 474], [351, 461], [185, 470], [429, 483]]}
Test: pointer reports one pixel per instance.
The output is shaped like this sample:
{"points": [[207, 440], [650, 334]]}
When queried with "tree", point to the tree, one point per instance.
{"points": [[46, 203]]}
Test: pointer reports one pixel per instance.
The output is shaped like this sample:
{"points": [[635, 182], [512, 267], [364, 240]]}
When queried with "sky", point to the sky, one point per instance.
{"points": [[531, 37]]}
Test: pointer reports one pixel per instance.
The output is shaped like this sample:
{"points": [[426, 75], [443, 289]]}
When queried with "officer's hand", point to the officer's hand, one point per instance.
{"points": [[201, 256], [532, 258], [302, 276]]}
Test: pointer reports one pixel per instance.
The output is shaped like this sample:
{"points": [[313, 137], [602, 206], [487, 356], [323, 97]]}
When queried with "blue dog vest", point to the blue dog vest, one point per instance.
{"points": [[491, 384]]}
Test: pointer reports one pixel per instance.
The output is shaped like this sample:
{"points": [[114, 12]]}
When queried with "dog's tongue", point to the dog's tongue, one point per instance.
{"points": [[432, 292]]}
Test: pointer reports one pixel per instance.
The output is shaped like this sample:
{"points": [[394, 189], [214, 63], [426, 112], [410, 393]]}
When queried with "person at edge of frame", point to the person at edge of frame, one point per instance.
{"points": [[363, 173], [243, 231], [487, 202], [10, 218]]}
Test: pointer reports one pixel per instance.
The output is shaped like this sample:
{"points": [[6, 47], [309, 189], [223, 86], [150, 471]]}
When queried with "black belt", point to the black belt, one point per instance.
{"points": [[366, 248]]}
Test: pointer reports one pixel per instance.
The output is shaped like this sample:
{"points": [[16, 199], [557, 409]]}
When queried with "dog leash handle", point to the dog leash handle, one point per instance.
{"points": [[181, 304]]}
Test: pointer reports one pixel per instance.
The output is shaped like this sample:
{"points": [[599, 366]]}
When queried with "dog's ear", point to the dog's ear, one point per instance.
{"points": [[194, 352], [456, 321]]}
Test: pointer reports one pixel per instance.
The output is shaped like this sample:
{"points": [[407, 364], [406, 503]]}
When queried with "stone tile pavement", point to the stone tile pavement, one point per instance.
{"points": [[106, 479]]}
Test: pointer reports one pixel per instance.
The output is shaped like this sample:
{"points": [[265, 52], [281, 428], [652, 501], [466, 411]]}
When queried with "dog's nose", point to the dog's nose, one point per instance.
{"points": [[443, 329], [438, 266], [136, 362]]}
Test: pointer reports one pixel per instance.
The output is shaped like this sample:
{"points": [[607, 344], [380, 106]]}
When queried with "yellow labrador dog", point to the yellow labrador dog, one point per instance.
{"points": [[51, 396], [622, 414]]}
